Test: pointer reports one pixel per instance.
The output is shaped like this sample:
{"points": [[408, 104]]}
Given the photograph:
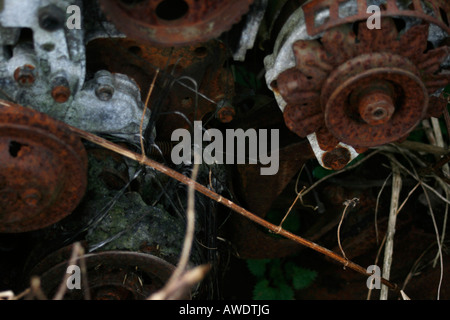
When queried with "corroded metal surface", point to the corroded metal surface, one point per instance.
{"points": [[203, 63], [174, 22], [364, 89], [43, 169], [433, 11]]}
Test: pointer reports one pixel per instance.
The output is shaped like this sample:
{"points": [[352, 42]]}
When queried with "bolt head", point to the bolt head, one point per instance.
{"points": [[337, 158], [104, 92], [376, 107], [25, 75]]}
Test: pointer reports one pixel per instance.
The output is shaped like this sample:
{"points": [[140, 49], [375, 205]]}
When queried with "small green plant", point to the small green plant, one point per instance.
{"points": [[277, 279]]}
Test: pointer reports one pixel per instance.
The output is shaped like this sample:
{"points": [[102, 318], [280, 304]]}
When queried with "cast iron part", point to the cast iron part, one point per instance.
{"points": [[203, 63], [43, 169], [111, 275], [363, 90], [174, 22]]}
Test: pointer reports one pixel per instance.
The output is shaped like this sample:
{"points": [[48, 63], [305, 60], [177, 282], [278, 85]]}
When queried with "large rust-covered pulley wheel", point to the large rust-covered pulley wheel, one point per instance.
{"points": [[347, 86], [111, 275], [43, 169], [174, 22], [365, 90]]}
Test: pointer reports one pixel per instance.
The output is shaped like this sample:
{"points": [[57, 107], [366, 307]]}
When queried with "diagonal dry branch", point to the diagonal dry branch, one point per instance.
{"points": [[141, 158]]}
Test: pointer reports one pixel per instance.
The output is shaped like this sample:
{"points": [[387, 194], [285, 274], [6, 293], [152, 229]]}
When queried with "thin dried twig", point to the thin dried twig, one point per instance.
{"points": [[141, 126], [6, 295], [425, 187], [77, 250], [376, 262], [289, 210], [389, 246], [181, 280], [347, 204], [441, 276], [377, 204], [231, 205], [36, 290], [348, 168]]}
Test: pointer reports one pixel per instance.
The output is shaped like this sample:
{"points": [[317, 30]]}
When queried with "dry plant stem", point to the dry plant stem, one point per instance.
{"points": [[77, 250], [447, 121], [348, 168], [347, 204], [415, 176], [376, 263], [36, 290], [141, 126], [231, 205], [22, 294], [425, 187], [176, 281], [289, 210], [437, 133], [389, 246], [429, 131], [418, 146], [377, 204], [438, 242]]}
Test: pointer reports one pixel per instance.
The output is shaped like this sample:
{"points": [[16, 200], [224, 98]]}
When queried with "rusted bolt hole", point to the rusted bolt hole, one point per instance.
{"points": [[201, 52], [135, 50], [171, 9], [379, 113], [14, 148]]}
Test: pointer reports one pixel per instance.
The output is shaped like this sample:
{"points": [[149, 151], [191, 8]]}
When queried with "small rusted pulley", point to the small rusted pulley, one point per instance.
{"points": [[111, 275]]}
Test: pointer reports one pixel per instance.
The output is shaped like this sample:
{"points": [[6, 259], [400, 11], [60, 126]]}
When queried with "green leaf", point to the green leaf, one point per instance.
{"points": [[285, 292], [257, 267], [302, 278], [263, 291]]}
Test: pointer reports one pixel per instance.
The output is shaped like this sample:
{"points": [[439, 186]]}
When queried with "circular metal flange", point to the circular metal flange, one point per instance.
{"points": [[43, 169], [174, 22], [368, 102], [111, 275]]}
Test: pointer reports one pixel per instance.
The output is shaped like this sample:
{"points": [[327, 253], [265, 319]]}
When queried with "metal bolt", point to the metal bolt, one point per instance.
{"points": [[51, 18], [60, 89], [376, 105], [25, 75], [225, 111], [105, 85], [337, 158]]}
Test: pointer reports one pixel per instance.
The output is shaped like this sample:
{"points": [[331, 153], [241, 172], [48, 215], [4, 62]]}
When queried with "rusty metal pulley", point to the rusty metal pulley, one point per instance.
{"points": [[43, 169], [174, 22], [356, 87], [111, 275]]}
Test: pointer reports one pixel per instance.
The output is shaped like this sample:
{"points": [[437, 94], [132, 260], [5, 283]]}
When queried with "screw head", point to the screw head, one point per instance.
{"points": [[60, 90]]}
